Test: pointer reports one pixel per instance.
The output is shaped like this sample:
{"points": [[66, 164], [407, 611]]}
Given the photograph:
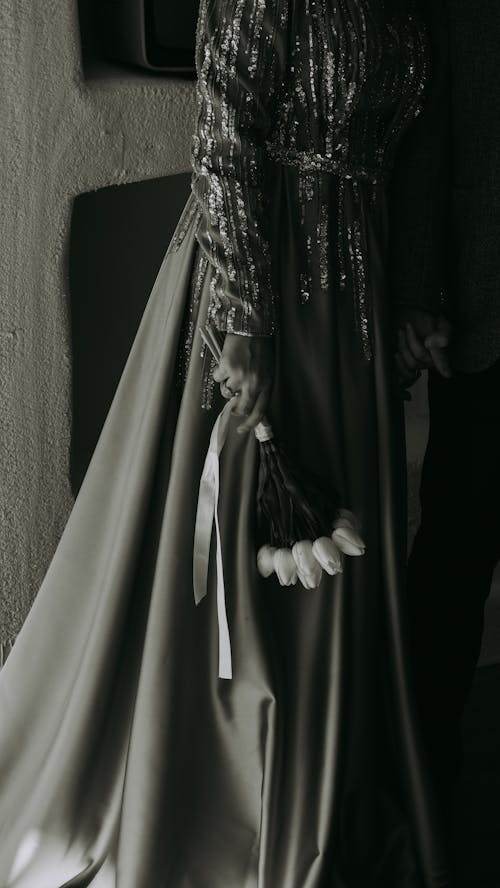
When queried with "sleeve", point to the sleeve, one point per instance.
{"points": [[419, 190], [240, 56]]}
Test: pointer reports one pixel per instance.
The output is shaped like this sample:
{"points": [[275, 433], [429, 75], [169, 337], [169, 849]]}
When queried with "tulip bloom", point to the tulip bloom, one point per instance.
{"points": [[348, 541], [328, 555], [311, 580], [308, 570], [285, 567], [303, 555], [265, 560]]}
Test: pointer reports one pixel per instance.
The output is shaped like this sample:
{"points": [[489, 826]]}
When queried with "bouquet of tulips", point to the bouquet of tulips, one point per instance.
{"points": [[306, 559], [307, 532]]}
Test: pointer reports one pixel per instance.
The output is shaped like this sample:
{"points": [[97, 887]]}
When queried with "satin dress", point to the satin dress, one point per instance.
{"points": [[125, 761]]}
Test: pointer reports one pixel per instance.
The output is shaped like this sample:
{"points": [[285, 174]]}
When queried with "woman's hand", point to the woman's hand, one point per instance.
{"points": [[245, 372]]}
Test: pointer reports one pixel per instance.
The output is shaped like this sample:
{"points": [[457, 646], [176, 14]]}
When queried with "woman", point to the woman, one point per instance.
{"points": [[125, 759]]}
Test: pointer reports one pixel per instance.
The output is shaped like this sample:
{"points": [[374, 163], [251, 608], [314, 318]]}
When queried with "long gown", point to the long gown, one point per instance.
{"points": [[124, 759]]}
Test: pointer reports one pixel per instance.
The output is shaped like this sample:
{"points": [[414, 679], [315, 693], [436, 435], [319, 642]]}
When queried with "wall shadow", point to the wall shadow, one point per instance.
{"points": [[119, 236]]}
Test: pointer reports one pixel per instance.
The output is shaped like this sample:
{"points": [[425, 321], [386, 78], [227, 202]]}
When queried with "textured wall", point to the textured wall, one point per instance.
{"points": [[60, 135]]}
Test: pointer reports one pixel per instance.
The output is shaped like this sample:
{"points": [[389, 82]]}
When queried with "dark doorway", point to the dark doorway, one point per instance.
{"points": [[118, 238]]}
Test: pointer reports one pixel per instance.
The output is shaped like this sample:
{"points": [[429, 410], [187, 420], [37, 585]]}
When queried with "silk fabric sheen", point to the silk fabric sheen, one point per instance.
{"points": [[125, 761]]}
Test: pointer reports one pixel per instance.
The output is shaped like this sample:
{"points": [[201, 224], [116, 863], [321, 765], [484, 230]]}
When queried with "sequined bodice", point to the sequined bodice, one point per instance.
{"points": [[353, 79], [322, 86]]}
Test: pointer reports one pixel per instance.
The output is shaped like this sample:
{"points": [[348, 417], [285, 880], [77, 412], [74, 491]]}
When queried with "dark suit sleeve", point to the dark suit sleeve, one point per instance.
{"points": [[419, 188]]}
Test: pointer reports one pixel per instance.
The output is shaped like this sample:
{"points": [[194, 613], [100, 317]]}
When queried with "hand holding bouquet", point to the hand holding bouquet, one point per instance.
{"points": [[307, 533]]}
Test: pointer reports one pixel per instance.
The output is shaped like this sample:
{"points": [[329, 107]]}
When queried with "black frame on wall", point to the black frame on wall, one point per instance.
{"points": [[153, 34]]}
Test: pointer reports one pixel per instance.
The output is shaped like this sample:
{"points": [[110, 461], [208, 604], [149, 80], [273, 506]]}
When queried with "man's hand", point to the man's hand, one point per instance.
{"points": [[245, 373], [422, 342]]}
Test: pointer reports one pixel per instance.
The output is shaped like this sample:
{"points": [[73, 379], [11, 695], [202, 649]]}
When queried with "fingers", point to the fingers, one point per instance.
{"points": [[225, 372], [437, 344], [411, 356], [257, 413], [221, 372], [231, 379], [417, 347], [439, 356], [227, 391], [421, 346], [244, 392], [415, 355], [245, 373], [229, 382], [406, 376], [405, 379], [249, 402], [246, 400]]}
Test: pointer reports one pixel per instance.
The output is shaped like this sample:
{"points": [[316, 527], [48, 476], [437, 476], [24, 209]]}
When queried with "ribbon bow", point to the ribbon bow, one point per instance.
{"points": [[206, 515]]}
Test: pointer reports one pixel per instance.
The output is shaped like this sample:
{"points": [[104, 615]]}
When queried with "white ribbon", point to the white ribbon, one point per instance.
{"points": [[208, 500]]}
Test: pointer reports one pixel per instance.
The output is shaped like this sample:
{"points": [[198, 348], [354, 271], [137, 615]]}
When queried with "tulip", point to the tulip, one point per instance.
{"points": [[327, 553], [285, 567], [348, 541], [265, 560], [310, 580], [304, 558], [308, 570]]}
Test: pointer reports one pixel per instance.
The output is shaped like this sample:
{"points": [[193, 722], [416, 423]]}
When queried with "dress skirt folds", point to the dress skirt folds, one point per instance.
{"points": [[125, 760]]}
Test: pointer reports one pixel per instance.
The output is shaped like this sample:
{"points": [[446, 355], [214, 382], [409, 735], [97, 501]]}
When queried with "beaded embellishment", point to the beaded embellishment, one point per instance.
{"points": [[325, 86]]}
